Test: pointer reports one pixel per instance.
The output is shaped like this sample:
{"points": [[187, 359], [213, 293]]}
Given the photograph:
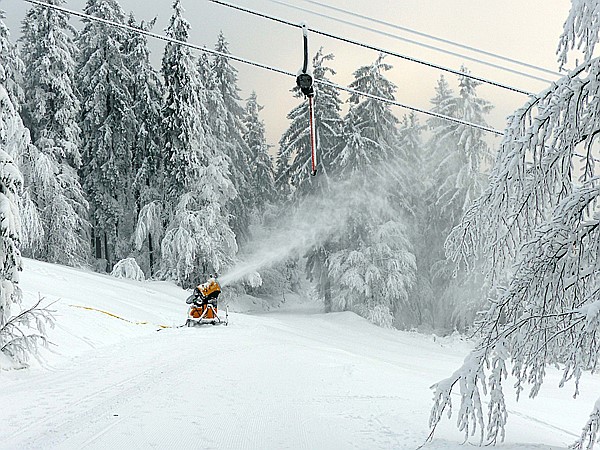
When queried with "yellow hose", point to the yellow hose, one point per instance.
{"points": [[89, 308]]}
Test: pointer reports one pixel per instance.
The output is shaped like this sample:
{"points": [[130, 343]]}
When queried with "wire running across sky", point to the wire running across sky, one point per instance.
{"points": [[429, 36], [412, 41], [261, 66], [381, 50]]}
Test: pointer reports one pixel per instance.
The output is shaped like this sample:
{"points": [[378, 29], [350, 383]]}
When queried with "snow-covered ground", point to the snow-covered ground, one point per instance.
{"points": [[292, 378]]}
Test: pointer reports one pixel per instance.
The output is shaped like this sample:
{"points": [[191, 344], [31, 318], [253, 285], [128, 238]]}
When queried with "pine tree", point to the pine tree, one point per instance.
{"points": [[456, 156], [261, 164], [225, 82], [108, 124], [408, 197], [21, 334], [11, 66], [21, 150], [146, 90], [198, 239], [372, 265], [51, 109], [294, 160], [537, 229], [11, 182]]}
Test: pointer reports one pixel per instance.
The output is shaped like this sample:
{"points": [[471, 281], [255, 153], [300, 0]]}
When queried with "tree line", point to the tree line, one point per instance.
{"points": [[168, 172]]}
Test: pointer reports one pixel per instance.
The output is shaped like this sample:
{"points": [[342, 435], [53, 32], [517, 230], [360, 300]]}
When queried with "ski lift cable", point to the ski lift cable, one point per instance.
{"points": [[434, 38], [388, 52], [411, 108], [411, 41], [262, 66], [266, 67], [158, 36]]}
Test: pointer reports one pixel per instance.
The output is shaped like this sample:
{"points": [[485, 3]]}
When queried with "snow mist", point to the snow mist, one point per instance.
{"points": [[296, 231], [312, 222]]}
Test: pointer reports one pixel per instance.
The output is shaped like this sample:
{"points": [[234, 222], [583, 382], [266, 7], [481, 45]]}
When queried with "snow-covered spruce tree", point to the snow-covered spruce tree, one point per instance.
{"points": [[441, 212], [261, 163], [11, 66], [408, 197], [538, 228], [51, 109], [225, 82], [328, 125], [293, 178], [198, 239], [20, 149], [21, 334], [371, 265], [456, 160], [108, 127], [146, 91]]}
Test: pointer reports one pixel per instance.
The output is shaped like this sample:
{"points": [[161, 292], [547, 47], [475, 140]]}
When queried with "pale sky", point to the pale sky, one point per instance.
{"points": [[526, 30]]}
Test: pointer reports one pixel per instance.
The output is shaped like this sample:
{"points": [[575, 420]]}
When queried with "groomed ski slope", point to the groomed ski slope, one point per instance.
{"points": [[292, 378]]}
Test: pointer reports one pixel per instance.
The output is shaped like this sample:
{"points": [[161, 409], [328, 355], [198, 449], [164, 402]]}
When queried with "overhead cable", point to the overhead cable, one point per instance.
{"points": [[410, 41], [434, 38], [262, 66], [380, 50], [156, 36]]}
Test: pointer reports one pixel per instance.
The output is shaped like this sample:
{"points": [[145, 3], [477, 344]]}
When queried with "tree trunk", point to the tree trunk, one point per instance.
{"points": [[151, 254]]}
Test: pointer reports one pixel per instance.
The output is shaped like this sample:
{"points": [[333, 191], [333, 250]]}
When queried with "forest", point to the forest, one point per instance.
{"points": [[165, 173]]}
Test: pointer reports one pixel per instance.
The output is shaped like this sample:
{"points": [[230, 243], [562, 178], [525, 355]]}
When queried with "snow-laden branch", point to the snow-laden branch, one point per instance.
{"points": [[581, 24], [537, 229], [22, 335]]}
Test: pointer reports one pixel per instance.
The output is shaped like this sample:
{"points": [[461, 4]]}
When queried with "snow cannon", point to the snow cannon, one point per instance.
{"points": [[203, 304]]}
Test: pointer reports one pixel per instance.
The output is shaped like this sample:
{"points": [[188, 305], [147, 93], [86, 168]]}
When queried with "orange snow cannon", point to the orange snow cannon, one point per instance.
{"points": [[203, 305]]}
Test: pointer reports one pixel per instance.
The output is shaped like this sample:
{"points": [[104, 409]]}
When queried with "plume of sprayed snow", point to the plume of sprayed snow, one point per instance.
{"points": [[313, 221]]}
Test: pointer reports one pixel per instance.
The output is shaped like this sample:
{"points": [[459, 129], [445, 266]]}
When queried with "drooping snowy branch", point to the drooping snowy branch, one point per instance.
{"points": [[580, 29], [22, 335], [589, 434], [537, 230], [533, 171]]}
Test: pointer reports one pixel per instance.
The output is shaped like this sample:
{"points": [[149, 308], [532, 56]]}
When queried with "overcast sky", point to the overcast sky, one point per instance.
{"points": [[526, 30]]}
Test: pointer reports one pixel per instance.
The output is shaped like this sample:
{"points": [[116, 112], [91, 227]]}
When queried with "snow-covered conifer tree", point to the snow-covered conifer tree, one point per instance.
{"points": [[408, 197], [294, 158], [11, 181], [21, 150], [146, 91], [198, 239], [108, 125], [225, 82], [261, 163], [51, 109], [537, 227], [17, 341], [372, 265], [11, 66], [456, 156]]}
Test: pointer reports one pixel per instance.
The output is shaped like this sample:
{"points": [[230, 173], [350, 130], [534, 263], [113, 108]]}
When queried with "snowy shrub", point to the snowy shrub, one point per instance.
{"points": [[128, 268], [253, 280], [380, 315]]}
